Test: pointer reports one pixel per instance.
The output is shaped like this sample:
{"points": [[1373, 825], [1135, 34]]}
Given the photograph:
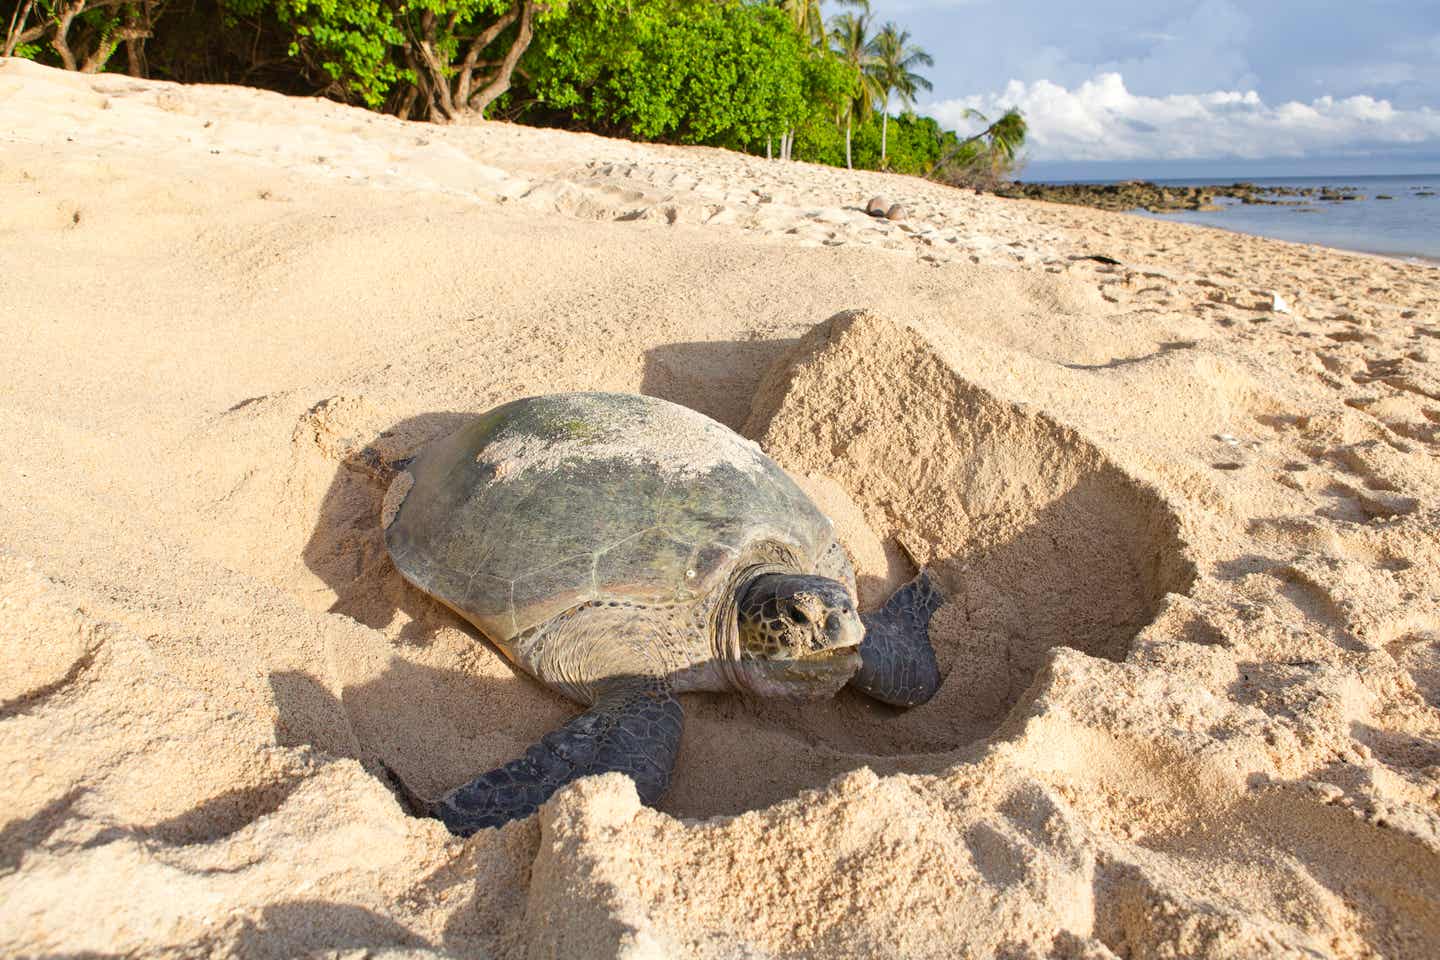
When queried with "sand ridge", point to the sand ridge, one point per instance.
{"points": [[1192, 652]]}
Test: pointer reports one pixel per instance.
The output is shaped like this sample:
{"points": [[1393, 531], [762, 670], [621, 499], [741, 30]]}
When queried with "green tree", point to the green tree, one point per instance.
{"points": [[693, 71], [914, 143], [81, 34], [892, 70], [850, 34], [428, 59]]}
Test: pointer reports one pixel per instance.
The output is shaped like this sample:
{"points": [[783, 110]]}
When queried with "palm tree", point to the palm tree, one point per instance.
{"points": [[892, 70], [1003, 139], [809, 22], [807, 19], [850, 32]]}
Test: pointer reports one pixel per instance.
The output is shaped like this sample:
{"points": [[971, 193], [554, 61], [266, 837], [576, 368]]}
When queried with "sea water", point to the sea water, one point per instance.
{"points": [[1407, 226]]}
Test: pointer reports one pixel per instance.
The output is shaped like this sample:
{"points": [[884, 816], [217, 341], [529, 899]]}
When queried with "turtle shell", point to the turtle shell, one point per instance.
{"points": [[549, 502]]}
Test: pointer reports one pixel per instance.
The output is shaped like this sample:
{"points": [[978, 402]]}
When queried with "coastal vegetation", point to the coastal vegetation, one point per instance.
{"points": [[771, 77]]}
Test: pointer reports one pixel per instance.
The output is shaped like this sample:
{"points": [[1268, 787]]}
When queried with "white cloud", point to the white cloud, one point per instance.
{"points": [[1102, 120]]}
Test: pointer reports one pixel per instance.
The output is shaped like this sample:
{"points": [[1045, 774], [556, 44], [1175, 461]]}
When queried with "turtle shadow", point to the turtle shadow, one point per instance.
{"points": [[346, 548]]}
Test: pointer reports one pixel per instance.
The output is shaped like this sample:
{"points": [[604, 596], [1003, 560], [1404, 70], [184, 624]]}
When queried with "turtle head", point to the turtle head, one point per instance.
{"points": [[799, 635]]}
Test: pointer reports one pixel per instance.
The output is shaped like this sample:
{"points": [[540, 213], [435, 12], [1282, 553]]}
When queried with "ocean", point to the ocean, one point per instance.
{"points": [[1407, 226]]}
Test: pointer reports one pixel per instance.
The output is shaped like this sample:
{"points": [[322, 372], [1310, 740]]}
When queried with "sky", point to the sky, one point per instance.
{"points": [[1114, 89]]}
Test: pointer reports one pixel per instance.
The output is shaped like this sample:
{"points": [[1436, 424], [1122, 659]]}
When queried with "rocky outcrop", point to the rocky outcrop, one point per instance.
{"points": [[1162, 198]]}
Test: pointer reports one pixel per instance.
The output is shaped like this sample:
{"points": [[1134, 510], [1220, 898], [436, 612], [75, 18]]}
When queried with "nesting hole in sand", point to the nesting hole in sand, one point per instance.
{"points": [[1037, 537]]}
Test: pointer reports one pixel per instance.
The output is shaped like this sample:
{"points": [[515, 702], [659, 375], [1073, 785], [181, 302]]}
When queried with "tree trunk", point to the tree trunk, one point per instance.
{"points": [[135, 57], [767, 148], [424, 105], [500, 82], [466, 76], [58, 42], [848, 164], [17, 27], [105, 47], [439, 83], [136, 64], [407, 102], [884, 128]]}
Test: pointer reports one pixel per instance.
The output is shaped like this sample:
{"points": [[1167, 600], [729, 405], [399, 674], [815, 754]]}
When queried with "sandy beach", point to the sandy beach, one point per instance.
{"points": [[1181, 486]]}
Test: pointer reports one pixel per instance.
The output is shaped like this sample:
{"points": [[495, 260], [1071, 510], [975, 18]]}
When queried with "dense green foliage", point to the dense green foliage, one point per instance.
{"points": [[915, 143], [350, 40], [765, 76], [694, 71]]}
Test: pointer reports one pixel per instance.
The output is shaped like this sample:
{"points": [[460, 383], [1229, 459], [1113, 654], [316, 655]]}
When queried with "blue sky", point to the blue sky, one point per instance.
{"points": [[1210, 88]]}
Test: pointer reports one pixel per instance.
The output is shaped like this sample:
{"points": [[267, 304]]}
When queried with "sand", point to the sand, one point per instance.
{"points": [[1191, 653]]}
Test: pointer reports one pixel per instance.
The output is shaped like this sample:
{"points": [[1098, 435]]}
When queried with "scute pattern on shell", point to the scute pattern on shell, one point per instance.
{"points": [[549, 502]]}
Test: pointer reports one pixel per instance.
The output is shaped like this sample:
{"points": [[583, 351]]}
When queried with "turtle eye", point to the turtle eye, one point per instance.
{"points": [[798, 616]]}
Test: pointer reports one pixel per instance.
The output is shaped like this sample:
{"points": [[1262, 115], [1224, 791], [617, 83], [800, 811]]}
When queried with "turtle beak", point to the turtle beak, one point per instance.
{"points": [[836, 625], [843, 629], [843, 632]]}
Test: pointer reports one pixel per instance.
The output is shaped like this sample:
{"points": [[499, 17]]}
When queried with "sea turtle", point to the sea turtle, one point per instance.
{"points": [[622, 549]]}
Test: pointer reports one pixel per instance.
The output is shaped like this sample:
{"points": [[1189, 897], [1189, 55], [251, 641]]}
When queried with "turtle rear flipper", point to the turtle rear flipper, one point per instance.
{"points": [[633, 728], [897, 662]]}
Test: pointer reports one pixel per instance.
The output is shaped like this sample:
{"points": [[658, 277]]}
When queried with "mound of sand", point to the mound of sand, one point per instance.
{"points": [[1191, 649]]}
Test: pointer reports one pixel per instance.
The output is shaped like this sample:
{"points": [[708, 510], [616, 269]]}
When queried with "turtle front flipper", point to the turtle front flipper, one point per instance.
{"points": [[897, 662], [633, 728]]}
